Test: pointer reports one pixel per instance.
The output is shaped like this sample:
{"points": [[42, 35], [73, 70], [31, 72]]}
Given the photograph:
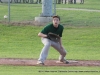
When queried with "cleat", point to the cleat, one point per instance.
{"points": [[40, 63], [62, 62], [65, 62]]}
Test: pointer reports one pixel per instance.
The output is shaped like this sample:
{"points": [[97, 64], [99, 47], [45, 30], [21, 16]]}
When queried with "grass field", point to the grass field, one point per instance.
{"points": [[23, 42], [68, 17], [81, 38], [30, 70]]}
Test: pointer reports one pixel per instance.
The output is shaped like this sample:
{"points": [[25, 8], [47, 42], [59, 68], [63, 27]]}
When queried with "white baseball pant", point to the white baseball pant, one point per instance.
{"points": [[47, 43]]}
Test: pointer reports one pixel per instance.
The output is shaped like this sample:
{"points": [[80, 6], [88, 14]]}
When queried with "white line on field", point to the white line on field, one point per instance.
{"points": [[91, 10]]}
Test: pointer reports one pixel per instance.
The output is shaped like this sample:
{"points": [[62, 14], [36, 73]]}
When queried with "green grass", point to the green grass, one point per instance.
{"points": [[88, 4], [79, 18], [81, 38], [30, 70], [25, 12], [23, 42], [18, 38], [20, 12]]}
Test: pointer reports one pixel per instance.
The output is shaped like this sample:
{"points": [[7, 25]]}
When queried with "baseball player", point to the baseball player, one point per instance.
{"points": [[57, 29]]}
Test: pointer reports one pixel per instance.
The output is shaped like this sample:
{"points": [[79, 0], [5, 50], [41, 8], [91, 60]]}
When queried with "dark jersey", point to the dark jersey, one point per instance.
{"points": [[52, 29]]}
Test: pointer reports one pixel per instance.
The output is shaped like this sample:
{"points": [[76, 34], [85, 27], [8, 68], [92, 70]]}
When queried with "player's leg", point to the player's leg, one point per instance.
{"points": [[45, 49], [62, 51]]}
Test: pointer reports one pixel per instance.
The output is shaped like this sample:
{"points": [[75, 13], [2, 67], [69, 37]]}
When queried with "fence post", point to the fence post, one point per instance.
{"points": [[54, 7], [46, 15], [47, 8], [8, 10]]}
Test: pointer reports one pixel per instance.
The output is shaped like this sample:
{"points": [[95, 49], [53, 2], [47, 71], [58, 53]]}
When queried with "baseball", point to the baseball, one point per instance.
{"points": [[5, 16]]}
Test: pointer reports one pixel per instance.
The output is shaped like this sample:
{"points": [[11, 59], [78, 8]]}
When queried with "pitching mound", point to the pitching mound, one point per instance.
{"points": [[32, 62]]}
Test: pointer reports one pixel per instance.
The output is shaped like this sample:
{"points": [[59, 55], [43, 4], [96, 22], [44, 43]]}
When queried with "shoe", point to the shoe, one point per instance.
{"points": [[61, 62], [66, 62], [40, 63]]}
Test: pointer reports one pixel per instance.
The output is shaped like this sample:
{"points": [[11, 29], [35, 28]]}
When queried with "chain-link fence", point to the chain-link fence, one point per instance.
{"points": [[21, 10], [21, 1], [40, 1]]}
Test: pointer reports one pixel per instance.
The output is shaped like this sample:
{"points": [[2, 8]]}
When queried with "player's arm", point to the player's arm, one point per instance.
{"points": [[44, 32], [42, 35]]}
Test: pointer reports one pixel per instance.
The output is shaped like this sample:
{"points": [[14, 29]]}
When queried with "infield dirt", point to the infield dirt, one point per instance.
{"points": [[48, 62]]}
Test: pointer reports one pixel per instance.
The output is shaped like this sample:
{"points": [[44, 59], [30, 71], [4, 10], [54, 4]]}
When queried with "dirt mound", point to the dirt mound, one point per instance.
{"points": [[32, 62]]}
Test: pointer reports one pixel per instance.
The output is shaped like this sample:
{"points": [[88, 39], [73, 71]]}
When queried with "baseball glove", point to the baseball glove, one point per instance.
{"points": [[53, 37]]}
